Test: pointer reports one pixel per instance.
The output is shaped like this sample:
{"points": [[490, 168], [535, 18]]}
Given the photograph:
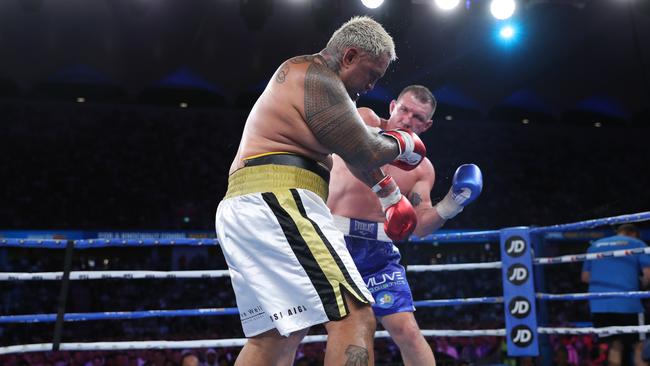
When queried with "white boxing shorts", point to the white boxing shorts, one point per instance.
{"points": [[288, 262]]}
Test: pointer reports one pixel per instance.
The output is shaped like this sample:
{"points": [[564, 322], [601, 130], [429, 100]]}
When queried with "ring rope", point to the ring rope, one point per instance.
{"points": [[595, 295], [215, 343], [34, 243], [460, 301], [444, 237], [591, 256], [453, 267], [590, 224], [103, 275], [457, 236], [94, 275], [73, 317], [102, 243], [76, 317], [238, 342], [619, 329]]}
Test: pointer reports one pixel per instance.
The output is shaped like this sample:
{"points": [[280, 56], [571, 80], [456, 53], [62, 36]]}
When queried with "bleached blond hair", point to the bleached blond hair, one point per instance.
{"points": [[364, 33]]}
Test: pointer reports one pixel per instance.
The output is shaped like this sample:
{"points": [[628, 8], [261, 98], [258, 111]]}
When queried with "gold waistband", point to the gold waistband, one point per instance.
{"points": [[271, 177]]}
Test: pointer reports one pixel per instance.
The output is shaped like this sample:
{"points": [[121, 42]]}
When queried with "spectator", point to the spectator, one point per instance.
{"points": [[617, 274]]}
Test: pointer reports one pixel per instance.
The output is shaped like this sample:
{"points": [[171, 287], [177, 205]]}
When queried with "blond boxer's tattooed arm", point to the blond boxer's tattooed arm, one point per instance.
{"points": [[369, 177], [333, 119]]}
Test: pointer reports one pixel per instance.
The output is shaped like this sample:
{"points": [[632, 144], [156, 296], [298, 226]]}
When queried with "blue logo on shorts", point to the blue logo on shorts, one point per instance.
{"points": [[385, 299]]}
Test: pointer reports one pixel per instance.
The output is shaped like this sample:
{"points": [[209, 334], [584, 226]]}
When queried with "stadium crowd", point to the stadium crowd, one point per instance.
{"points": [[131, 167]]}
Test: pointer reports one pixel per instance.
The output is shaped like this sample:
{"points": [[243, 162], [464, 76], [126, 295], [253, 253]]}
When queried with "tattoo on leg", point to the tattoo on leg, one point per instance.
{"points": [[357, 356]]}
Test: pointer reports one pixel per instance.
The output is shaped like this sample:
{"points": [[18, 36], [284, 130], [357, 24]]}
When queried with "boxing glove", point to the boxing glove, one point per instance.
{"points": [[466, 186], [400, 215], [411, 149]]}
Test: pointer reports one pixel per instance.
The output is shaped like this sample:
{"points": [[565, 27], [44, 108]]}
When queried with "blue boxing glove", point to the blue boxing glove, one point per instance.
{"points": [[466, 186]]}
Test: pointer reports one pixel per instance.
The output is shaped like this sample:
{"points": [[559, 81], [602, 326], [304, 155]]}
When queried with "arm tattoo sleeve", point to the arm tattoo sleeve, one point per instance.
{"points": [[334, 121], [369, 177]]}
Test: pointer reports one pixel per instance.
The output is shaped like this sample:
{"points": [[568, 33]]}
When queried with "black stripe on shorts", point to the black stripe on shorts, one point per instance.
{"points": [[305, 257], [333, 252]]}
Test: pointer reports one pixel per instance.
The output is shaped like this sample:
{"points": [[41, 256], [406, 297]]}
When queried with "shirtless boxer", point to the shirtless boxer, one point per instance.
{"points": [[288, 262], [358, 214]]}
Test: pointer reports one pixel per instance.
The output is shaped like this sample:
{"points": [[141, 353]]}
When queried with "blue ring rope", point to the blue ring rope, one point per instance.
{"points": [[453, 302], [75, 317], [437, 237], [111, 315], [458, 236], [590, 224]]}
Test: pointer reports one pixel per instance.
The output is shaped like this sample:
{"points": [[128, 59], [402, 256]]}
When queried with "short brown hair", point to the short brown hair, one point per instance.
{"points": [[628, 229], [421, 93]]}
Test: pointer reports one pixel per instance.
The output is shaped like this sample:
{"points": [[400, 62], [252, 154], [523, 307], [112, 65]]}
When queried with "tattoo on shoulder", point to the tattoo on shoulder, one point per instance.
{"points": [[415, 199], [331, 115], [282, 73], [301, 59], [323, 101], [357, 356]]}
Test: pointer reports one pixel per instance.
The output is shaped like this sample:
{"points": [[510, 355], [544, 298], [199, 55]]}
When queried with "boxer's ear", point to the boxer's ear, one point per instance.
{"points": [[392, 106], [350, 57]]}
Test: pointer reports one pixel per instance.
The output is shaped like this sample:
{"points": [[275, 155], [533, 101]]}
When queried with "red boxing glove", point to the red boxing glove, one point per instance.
{"points": [[400, 215], [411, 149]]}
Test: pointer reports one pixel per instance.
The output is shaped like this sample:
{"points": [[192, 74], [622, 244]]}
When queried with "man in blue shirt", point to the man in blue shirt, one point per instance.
{"points": [[616, 274]]}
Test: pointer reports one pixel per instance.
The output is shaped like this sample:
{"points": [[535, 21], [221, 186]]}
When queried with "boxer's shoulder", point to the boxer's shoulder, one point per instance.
{"points": [[308, 71], [371, 118]]}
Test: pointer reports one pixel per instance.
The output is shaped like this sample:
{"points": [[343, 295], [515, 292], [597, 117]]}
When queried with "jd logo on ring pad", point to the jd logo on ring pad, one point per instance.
{"points": [[515, 246], [517, 274], [519, 307], [521, 335]]}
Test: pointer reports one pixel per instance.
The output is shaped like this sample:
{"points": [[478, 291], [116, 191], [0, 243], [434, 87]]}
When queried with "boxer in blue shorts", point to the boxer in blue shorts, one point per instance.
{"points": [[359, 214]]}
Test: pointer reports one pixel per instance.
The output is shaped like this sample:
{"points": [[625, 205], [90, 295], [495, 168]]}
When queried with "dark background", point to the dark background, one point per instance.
{"points": [[130, 157], [565, 51]]}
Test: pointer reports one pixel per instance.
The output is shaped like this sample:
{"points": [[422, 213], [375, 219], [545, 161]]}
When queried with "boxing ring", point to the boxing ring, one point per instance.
{"points": [[518, 267]]}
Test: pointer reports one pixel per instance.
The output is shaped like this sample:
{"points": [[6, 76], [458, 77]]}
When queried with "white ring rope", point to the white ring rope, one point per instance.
{"points": [[452, 267], [238, 342], [625, 329], [97, 275], [215, 343], [135, 275], [591, 256], [102, 275]]}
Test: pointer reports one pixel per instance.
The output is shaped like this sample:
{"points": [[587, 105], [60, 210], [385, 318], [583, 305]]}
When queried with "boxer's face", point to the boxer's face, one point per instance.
{"points": [[408, 112], [360, 71]]}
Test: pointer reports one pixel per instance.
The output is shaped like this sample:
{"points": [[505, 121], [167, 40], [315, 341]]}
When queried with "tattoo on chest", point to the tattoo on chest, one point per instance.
{"points": [[357, 356], [415, 199], [282, 73]]}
